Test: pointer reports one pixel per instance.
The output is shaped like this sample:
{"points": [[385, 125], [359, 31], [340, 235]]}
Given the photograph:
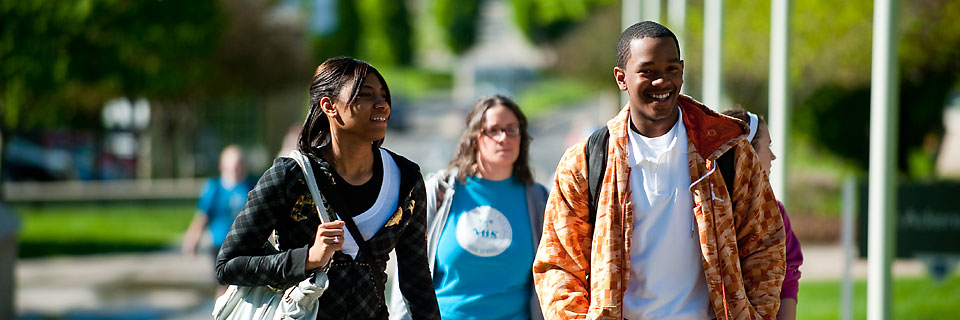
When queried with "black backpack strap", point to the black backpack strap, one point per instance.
{"points": [[725, 165], [596, 158]]}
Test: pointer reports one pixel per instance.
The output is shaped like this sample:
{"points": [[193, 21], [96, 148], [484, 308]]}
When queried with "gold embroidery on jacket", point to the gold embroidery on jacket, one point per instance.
{"points": [[298, 205], [395, 219], [302, 201]]}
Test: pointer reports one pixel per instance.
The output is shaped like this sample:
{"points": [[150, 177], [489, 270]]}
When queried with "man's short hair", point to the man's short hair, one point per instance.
{"points": [[639, 30]]}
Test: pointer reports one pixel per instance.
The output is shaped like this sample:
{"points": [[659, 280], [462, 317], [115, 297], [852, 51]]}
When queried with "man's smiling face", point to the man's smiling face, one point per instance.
{"points": [[652, 77]]}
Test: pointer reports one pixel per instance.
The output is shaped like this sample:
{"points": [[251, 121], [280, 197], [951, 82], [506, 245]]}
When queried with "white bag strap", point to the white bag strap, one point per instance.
{"points": [[311, 180]]}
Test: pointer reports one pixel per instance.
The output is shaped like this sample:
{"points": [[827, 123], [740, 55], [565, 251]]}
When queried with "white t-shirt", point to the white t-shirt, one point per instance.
{"points": [[666, 272], [370, 221]]}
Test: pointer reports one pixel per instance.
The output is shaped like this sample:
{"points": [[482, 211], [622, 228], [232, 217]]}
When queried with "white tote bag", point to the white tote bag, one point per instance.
{"points": [[267, 303]]}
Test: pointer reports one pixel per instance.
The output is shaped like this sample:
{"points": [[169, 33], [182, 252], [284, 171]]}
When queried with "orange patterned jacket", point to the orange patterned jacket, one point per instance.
{"points": [[579, 276]]}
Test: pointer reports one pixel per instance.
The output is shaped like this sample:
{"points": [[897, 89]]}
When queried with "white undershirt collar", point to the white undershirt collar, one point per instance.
{"points": [[644, 149]]}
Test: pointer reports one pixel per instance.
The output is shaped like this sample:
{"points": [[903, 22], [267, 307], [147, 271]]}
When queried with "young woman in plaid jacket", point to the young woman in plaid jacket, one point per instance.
{"points": [[381, 192]]}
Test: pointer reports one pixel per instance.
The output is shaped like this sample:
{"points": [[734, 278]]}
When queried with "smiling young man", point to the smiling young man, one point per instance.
{"points": [[668, 239]]}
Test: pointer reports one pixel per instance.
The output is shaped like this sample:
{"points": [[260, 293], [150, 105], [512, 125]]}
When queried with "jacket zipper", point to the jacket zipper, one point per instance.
{"points": [[713, 217]]}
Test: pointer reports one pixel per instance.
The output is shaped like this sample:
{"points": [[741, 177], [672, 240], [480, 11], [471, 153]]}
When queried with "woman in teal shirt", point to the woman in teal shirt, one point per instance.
{"points": [[484, 219]]}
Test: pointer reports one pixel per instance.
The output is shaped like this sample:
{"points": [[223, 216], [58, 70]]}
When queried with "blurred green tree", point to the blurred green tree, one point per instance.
{"points": [[67, 54], [831, 74], [378, 31], [547, 20], [61, 60], [540, 20], [458, 20], [386, 34], [344, 39], [260, 49]]}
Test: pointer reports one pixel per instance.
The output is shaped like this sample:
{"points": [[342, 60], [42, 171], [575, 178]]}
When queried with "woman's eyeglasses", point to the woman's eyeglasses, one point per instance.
{"points": [[495, 132]]}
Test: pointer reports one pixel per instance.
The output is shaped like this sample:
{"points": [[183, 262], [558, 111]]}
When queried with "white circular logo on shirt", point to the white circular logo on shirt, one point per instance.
{"points": [[484, 231]]}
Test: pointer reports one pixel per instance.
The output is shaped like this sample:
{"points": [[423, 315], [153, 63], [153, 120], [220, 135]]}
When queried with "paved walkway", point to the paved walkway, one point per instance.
{"points": [[825, 262], [168, 285], [165, 285]]}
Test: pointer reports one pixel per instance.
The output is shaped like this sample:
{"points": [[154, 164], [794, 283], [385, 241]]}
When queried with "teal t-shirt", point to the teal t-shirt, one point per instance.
{"points": [[485, 253], [221, 204]]}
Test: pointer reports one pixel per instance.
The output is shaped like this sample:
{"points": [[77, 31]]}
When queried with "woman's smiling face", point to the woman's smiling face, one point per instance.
{"points": [[367, 115]]}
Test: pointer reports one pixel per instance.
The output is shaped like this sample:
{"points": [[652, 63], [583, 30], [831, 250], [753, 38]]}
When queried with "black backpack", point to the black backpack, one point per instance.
{"points": [[596, 158]]}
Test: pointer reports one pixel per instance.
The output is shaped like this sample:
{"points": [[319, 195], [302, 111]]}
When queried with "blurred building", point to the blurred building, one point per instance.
{"points": [[501, 62]]}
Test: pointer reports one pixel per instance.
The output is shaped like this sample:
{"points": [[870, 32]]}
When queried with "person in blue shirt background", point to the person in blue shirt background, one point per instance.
{"points": [[220, 201], [484, 219]]}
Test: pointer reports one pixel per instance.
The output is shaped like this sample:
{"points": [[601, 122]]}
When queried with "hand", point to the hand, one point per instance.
{"points": [[788, 309], [329, 239]]}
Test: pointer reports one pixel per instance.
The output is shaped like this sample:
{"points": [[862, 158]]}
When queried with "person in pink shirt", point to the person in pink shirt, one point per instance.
{"points": [[760, 139]]}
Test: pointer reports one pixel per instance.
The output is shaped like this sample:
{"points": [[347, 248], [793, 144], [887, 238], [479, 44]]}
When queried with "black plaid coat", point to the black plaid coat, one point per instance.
{"points": [[281, 201]]}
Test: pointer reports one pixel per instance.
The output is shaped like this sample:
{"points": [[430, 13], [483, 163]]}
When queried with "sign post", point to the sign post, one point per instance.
{"points": [[883, 146]]}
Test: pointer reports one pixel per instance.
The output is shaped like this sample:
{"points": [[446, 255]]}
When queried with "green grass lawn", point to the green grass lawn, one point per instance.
{"points": [[913, 298], [87, 229]]}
